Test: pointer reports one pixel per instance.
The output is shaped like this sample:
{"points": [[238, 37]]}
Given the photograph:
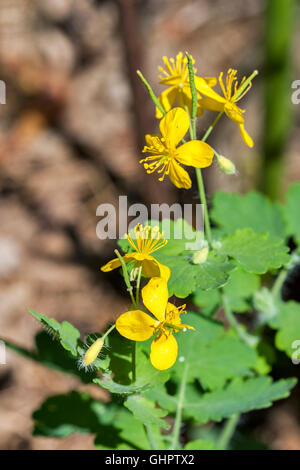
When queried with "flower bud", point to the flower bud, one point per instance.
{"points": [[200, 256], [226, 165], [93, 351]]}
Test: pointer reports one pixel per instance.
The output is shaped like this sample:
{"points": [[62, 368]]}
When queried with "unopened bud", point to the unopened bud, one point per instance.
{"points": [[226, 165], [93, 351], [200, 256], [134, 273]]}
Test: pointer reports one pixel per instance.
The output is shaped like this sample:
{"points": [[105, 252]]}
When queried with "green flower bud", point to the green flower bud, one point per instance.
{"points": [[226, 165], [200, 256]]}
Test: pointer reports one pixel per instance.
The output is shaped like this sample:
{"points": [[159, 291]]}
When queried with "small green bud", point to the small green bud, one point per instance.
{"points": [[226, 165], [134, 273], [200, 256]]}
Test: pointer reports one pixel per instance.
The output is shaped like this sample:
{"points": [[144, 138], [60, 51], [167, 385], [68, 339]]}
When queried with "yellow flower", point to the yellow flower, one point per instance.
{"points": [[176, 77], [146, 240], [139, 326], [216, 102], [167, 158]]}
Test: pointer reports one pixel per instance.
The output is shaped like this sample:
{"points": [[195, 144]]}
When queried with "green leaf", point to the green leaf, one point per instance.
{"points": [[108, 383], [186, 276], [287, 322], [128, 433], [238, 397], [257, 253], [264, 302], [208, 300], [214, 362], [147, 375], [145, 410], [62, 415], [67, 334], [238, 289], [291, 211], [51, 354], [232, 211]]}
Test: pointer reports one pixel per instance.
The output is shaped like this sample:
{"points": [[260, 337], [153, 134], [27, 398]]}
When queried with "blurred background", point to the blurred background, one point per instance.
{"points": [[71, 134]]}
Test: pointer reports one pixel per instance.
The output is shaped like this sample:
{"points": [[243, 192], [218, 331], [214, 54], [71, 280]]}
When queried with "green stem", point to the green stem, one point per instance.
{"points": [[194, 95], [178, 418], [193, 135], [150, 437], [108, 331], [138, 283], [126, 278], [203, 201], [243, 335], [228, 431], [151, 92], [133, 361], [209, 130], [279, 282]]}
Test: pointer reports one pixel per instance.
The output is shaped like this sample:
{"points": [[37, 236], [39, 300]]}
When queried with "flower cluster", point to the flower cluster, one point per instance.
{"points": [[186, 97]]}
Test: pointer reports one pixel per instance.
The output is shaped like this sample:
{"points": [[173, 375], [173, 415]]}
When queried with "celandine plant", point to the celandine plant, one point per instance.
{"points": [[168, 370]]}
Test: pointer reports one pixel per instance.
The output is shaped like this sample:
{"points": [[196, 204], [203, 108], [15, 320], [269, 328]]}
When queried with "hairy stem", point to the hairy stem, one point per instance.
{"points": [[126, 278], [243, 335], [138, 283], [150, 437], [151, 92], [175, 444], [133, 361], [276, 289], [228, 431]]}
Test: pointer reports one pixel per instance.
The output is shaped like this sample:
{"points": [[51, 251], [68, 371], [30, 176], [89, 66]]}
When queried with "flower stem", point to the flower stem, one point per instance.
{"points": [[209, 130], [177, 424], [193, 135], [150, 437], [151, 92], [276, 289], [243, 335], [228, 431], [133, 361], [108, 331], [138, 283], [202, 197], [126, 278]]}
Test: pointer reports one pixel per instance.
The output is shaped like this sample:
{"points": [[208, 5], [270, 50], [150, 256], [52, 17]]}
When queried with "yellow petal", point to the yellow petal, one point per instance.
{"points": [[234, 113], [195, 153], [210, 81], [152, 268], [246, 137], [164, 350], [167, 100], [174, 125], [211, 105], [165, 272], [135, 325], [115, 263], [204, 89], [179, 177], [155, 297]]}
